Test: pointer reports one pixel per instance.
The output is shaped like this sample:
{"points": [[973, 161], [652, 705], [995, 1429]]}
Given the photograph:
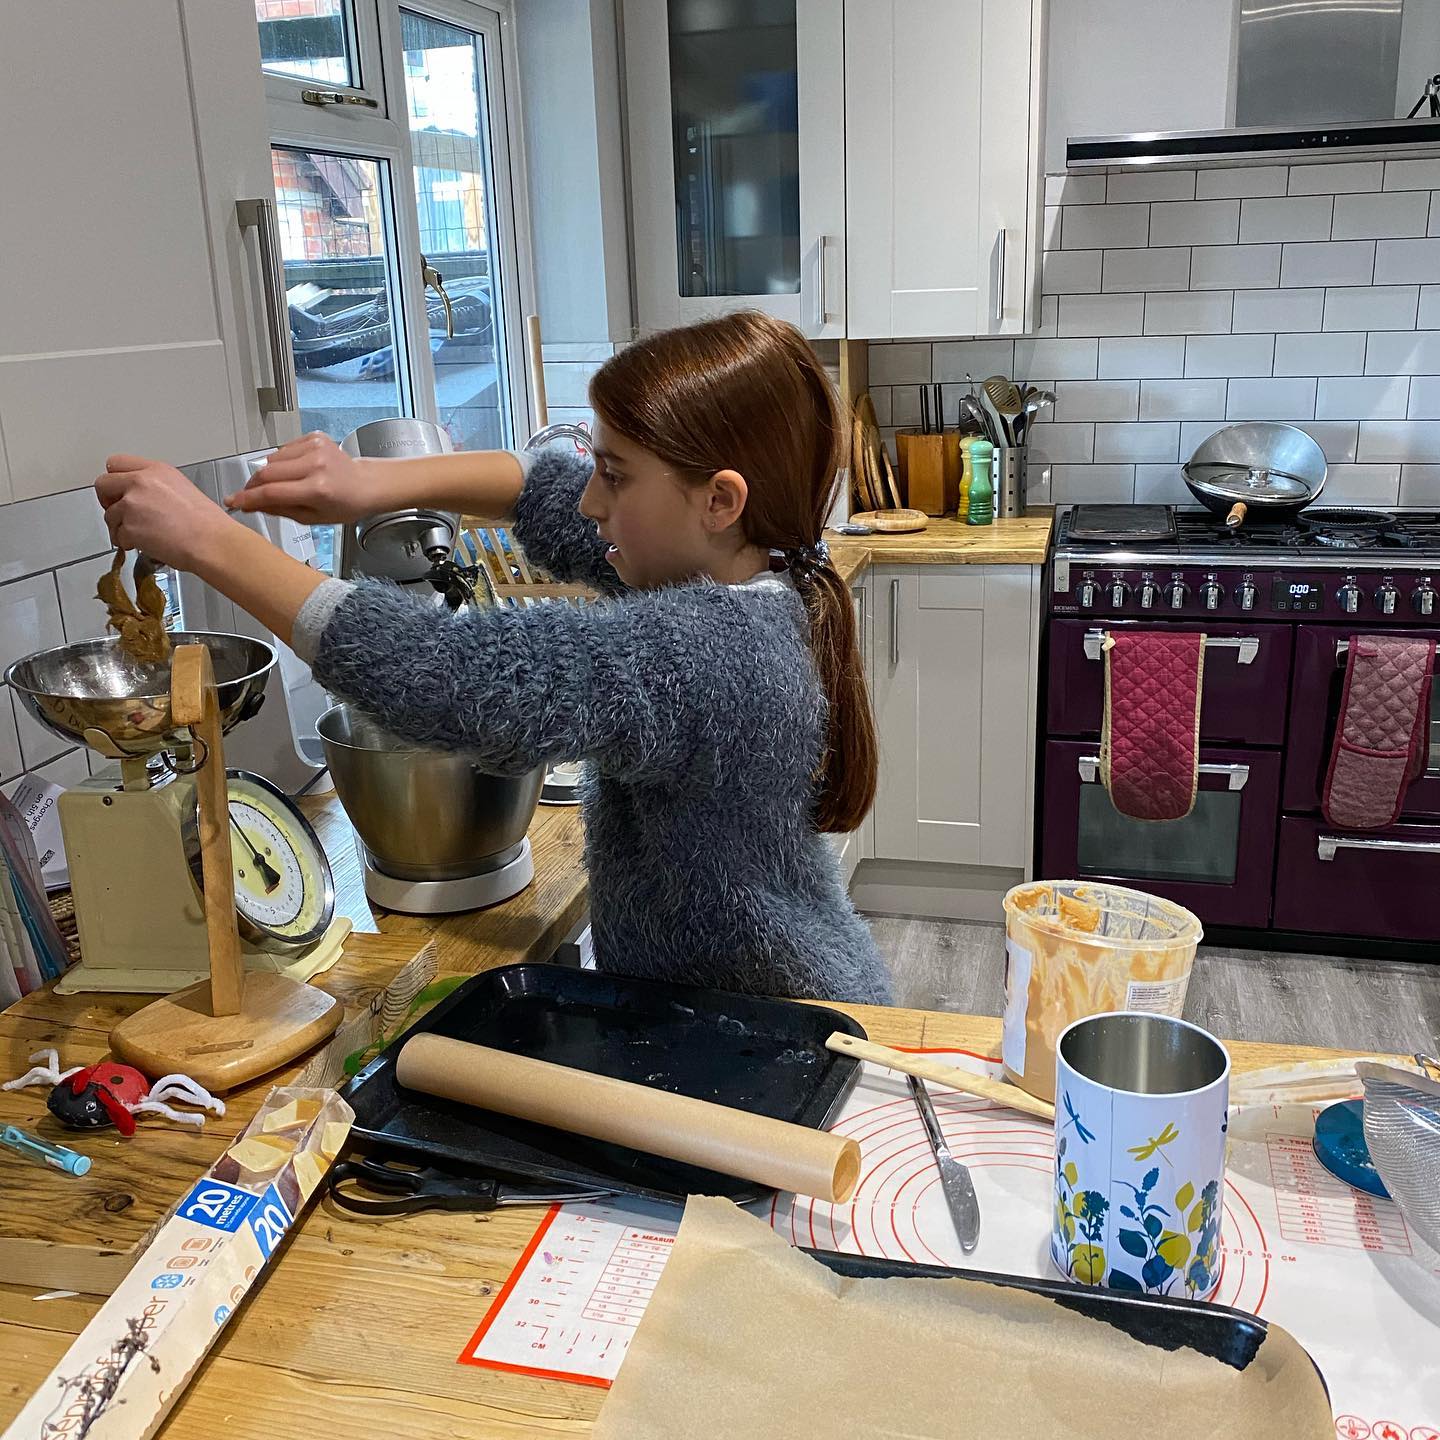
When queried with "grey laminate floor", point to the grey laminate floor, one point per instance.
{"points": [[1241, 994]]}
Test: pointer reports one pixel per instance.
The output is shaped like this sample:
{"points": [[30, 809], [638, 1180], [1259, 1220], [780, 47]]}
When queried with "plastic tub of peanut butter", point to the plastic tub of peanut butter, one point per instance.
{"points": [[1073, 949]]}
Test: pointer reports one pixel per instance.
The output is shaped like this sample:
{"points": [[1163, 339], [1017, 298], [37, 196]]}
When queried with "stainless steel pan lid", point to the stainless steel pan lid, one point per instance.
{"points": [[1263, 463]]}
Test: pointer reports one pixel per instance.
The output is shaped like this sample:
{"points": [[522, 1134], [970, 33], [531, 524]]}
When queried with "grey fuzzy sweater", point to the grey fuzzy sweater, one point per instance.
{"points": [[699, 711]]}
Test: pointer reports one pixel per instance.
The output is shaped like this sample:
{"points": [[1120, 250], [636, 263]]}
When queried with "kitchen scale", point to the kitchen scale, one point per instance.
{"points": [[161, 894]]}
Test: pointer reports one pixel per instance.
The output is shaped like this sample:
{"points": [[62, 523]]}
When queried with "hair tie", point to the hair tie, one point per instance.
{"points": [[804, 560]]}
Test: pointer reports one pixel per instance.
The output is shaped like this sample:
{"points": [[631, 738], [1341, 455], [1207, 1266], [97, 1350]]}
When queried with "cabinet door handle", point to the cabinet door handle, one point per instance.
{"points": [[820, 311], [894, 622], [1235, 776], [1327, 845], [260, 214], [1000, 241]]}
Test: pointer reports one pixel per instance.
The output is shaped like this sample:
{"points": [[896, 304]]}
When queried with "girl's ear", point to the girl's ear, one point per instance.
{"points": [[725, 496]]}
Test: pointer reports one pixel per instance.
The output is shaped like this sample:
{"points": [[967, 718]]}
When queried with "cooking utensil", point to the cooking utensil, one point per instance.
{"points": [[892, 489], [1005, 398], [378, 1186], [878, 478], [955, 1182], [1258, 465], [924, 409], [859, 466], [938, 409], [973, 412], [1120, 524], [891, 522], [1036, 402], [923, 1067], [1402, 1131]]}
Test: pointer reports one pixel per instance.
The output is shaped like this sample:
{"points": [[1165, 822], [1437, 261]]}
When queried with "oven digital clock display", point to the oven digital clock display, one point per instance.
{"points": [[1294, 595]]}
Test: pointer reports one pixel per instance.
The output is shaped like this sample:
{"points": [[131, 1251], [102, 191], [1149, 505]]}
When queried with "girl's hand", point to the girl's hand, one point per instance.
{"points": [[314, 481], [151, 506]]}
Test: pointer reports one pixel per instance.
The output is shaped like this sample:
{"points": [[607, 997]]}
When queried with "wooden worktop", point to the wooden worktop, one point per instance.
{"points": [[1022, 541]]}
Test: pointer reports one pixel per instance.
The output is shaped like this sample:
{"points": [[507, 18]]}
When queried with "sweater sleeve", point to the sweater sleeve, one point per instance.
{"points": [[634, 684], [550, 528]]}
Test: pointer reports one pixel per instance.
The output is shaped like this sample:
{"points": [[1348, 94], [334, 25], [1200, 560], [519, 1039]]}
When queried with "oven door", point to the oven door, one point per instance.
{"points": [[1320, 657], [1217, 861], [1384, 884], [1247, 671]]}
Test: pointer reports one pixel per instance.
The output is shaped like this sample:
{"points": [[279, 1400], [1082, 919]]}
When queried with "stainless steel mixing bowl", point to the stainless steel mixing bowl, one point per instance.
{"points": [[424, 814], [93, 692]]}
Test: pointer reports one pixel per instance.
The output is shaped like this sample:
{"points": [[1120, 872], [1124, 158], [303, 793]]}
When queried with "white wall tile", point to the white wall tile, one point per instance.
{"points": [[1362, 485], [1337, 438], [1406, 262], [1161, 485], [904, 406], [1072, 272], [29, 621], [1297, 217], [1037, 484], [69, 769], [1412, 174], [1402, 440], [1152, 443], [1182, 399], [1403, 352], [11, 763], [1424, 398], [1378, 217], [1052, 227], [1055, 442], [1334, 353], [1166, 268], [1328, 262], [1058, 359], [1101, 227], [1194, 312], [39, 534], [906, 364], [1234, 267], [1102, 314], [1074, 189], [1334, 179], [954, 359], [1096, 400], [1242, 180], [1195, 222], [1434, 227], [1070, 484], [1259, 310], [1128, 185], [81, 612], [1270, 400], [1420, 484], [1154, 357], [1194, 432], [567, 382], [1429, 308], [879, 397], [1370, 307], [1229, 355], [1370, 397]]}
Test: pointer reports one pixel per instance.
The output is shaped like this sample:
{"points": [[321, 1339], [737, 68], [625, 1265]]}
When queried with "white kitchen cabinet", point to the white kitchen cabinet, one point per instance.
{"points": [[128, 294], [737, 162], [855, 847], [944, 131]]}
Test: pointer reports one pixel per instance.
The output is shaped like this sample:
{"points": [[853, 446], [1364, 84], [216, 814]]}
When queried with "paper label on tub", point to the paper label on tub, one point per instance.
{"points": [[1018, 964], [1159, 997]]}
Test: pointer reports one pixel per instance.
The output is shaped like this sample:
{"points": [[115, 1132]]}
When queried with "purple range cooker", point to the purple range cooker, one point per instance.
{"points": [[1278, 603]]}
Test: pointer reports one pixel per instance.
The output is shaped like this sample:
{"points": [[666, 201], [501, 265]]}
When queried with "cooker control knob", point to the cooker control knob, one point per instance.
{"points": [[1349, 596], [1385, 598], [1149, 593], [1086, 595], [1119, 593], [1212, 592], [1179, 593], [1245, 595], [1424, 598]]}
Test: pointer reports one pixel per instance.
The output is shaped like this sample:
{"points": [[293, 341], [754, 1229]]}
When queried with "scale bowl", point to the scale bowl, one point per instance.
{"points": [[93, 693]]}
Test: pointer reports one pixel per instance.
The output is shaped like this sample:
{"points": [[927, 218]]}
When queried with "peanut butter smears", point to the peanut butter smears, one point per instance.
{"points": [[140, 623]]}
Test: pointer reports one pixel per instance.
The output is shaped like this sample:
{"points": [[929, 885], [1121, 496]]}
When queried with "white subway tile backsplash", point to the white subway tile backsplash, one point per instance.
{"points": [[1072, 272], [81, 612], [1153, 357], [1195, 222], [1052, 227], [69, 769], [1101, 227], [1127, 185], [1362, 485], [880, 398], [904, 406], [1194, 432], [1096, 400], [1234, 267], [1161, 485], [1152, 443], [1337, 438], [1328, 262], [1375, 217], [11, 763], [1370, 307], [1225, 356], [1057, 359], [1334, 353], [1420, 485], [1242, 180], [1403, 352], [1182, 399], [1412, 174], [1055, 442], [1370, 397], [1335, 179], [1037, 484], [904, 364], [1074, 189], [1270, 400], [29, 621], [1297, 217], [37, 535], [1399, 440], [954, 359], [1167, 268], [1424, 398], [1261, 310], [1102, 314], [1049, 326], [1406, 262], [1114, 484], [1434, 226], [1192, 312], [1429, 308]]}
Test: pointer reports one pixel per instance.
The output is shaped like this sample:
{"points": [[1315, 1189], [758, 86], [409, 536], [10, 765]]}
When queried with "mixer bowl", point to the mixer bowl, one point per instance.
{"points": [[92, 692], [424, 814]]}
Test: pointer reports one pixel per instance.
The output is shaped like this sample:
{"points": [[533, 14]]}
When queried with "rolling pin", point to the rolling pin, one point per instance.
{"points": [[927, 1069], [770, 1152]]}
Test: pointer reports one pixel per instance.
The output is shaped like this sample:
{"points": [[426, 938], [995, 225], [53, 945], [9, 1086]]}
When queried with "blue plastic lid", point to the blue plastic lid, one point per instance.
{"points": [[1340, 1147]]}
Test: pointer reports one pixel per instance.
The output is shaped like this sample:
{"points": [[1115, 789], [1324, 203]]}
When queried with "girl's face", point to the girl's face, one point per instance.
{"points": [[661, 528]]}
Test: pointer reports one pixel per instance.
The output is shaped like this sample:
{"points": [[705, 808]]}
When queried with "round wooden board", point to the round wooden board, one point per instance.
{"points": [[892, 522]]}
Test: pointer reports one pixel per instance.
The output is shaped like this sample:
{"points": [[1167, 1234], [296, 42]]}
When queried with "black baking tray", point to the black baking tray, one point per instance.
{"points": [[753, 1053]]}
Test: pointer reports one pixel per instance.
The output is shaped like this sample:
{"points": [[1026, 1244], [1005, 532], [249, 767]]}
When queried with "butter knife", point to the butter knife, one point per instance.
{"points": [[955, 1179]]}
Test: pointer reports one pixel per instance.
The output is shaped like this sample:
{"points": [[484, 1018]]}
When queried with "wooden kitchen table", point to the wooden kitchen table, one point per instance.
{"points": [[356, 1328]]}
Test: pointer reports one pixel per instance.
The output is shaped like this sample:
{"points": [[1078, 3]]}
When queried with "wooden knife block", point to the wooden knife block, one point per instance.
{"points": [[929, 470]]}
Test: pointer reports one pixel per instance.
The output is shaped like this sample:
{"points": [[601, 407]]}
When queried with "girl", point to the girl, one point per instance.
{"points": [[716, 690]]}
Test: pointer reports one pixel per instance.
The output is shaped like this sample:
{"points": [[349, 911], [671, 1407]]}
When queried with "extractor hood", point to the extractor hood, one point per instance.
{"points": [[1256, 145]]}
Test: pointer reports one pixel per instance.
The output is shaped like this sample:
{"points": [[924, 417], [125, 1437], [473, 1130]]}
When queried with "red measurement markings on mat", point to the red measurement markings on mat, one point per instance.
{"points": [[1316, 1208], [629, 1277]]}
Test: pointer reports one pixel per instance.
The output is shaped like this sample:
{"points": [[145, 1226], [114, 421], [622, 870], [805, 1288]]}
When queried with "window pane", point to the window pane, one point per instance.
{"points": [[445, 78], [334, 231], [309, 39], [1202, 848]]}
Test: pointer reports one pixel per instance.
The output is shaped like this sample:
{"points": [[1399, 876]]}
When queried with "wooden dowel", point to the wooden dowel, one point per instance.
{"points": [[537, 370]]}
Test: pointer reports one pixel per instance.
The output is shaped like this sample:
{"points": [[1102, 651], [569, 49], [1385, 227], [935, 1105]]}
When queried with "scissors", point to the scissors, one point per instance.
{"points": [[368, 1186]]}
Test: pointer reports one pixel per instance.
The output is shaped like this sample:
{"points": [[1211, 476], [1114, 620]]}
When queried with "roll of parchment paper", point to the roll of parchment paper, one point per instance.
{"points": [[714, 1137]]}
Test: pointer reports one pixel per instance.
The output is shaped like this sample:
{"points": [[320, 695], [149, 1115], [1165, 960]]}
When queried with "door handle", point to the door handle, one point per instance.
{"points": [[432, 279], [1327, 845], [1247, 647], [820, 311], [1237, 775], [894, 622], [260, 215], [337, 97], [1001, 241], [1342, 651]]}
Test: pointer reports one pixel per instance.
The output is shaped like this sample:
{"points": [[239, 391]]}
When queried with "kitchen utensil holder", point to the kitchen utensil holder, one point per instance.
{"points": [[1011, 462], [923, 470]]}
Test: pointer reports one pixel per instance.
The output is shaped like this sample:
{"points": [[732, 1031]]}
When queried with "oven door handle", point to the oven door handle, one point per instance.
{"points": [[1246, 646], [1342, 652], [1237, 775], [1327, 845]]}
